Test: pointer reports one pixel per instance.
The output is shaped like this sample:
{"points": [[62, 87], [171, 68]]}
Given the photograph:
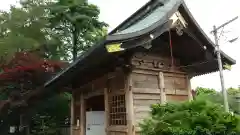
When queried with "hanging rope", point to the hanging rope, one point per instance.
{"points": [[170, 44]]}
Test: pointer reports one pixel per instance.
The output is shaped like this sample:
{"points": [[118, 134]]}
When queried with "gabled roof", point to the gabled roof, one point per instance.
{"points": [[152, 18]]}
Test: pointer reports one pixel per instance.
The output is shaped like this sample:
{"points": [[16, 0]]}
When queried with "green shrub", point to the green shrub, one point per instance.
{"points": [[190, 118]]}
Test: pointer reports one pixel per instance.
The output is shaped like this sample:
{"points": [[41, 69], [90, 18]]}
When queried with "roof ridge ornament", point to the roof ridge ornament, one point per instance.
{"points": [[178, 23], [179, 28]]}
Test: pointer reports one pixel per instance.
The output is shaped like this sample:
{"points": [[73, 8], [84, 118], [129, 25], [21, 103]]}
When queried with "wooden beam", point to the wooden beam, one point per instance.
{"points": [[93, 93], [154, 71], [162, 87], [154, 91], [129, 106]]}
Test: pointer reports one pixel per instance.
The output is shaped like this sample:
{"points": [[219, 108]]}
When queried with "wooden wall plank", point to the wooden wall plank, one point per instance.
{"points": [[155, 72], [138, 109], [138, 121], [170, 91], [141, 115], [175, 74], [169, 82], [157, 91], [176, 98], [182, 92], [147, 102], [144, 81], [146, 91], [146, 96]]}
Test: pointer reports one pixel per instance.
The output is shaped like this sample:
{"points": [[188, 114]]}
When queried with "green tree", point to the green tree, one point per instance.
{"points": [[201, 90], [26, 28], [51, 115], [21, 79], [62, 29], [15, 32], [216, 97], [78, 24], [198, 117], [233, 91]]}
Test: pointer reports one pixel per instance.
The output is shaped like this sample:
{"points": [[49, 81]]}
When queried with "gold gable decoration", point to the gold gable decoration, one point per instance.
{"points": [[114, 47]]}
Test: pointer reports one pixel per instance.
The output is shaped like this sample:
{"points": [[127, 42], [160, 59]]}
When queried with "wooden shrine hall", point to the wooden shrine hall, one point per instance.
{"points": [[149, 58]]}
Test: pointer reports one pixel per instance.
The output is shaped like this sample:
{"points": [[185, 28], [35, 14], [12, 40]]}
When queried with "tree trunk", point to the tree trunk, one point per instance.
{"points": [[75, 36]]}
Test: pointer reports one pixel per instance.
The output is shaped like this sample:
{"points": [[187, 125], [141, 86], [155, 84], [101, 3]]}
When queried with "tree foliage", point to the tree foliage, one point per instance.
{"points": [[79, 21], [201, 91], [233, 91], [24, 29], [56, 28], [21, 82], [198, 117], [27, 71], [48, 118], [217, 97]]}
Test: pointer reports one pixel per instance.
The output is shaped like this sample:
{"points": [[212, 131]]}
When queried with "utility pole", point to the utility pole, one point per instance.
{"points": [[220, 66]]}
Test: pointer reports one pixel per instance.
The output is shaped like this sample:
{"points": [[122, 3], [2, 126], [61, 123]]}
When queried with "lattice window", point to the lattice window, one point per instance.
{"points": [[117, 110]]}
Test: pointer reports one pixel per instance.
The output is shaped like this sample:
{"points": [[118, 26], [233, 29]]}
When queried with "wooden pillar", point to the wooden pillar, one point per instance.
{"points": [[162, 87], [189, 88], [106, 110], [129, 107], [82, 115], [72, 115]]}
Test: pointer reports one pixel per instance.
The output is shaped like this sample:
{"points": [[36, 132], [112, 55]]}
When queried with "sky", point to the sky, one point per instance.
{"points": [[206, 12]]}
